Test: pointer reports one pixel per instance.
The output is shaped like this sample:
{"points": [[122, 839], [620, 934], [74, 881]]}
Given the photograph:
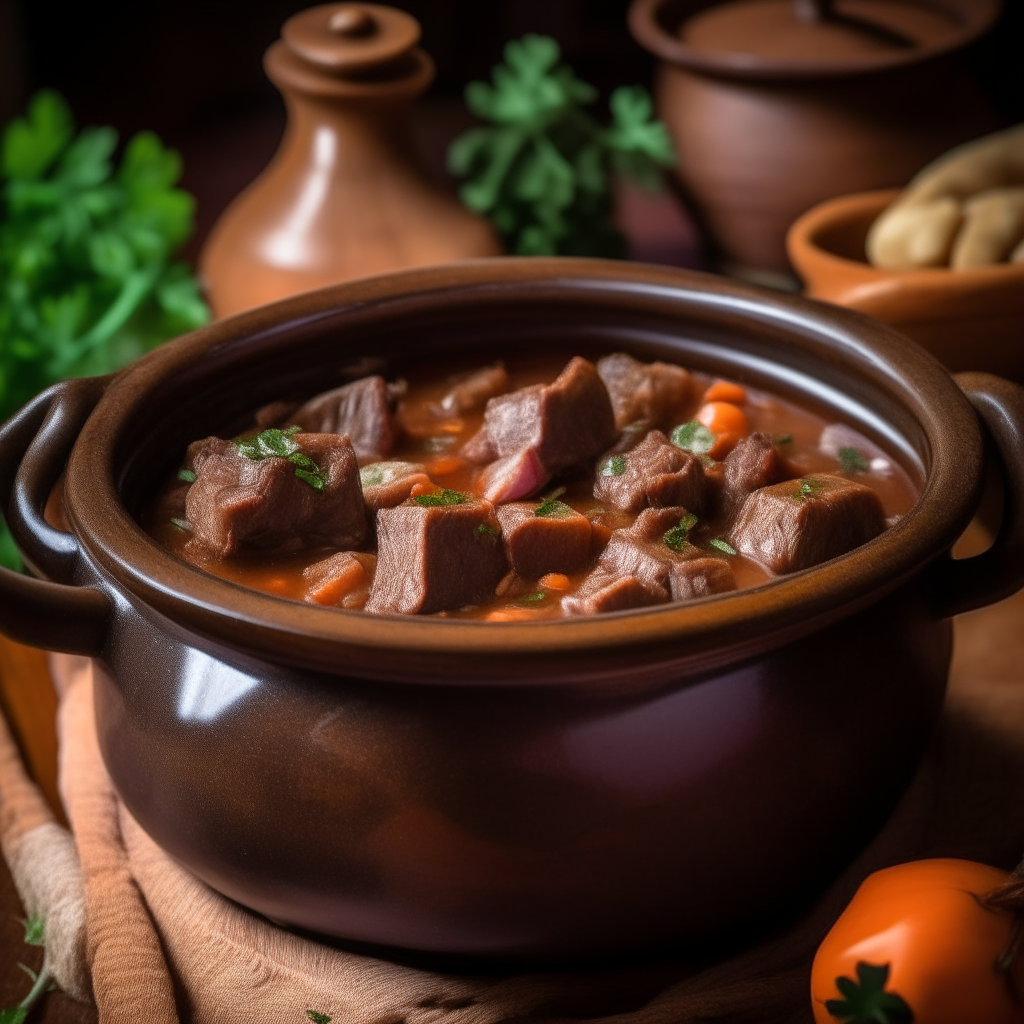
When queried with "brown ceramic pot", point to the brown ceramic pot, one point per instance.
{"points": [[763, 137], [345, 195], [969, 319], [542, 790]]}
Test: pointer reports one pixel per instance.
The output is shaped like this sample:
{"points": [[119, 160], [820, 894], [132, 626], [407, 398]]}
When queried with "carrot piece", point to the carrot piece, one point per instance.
{"points": [[725, 391], [723, 418], [444, 465], [332, 590], [555, 581], [510, 615]]}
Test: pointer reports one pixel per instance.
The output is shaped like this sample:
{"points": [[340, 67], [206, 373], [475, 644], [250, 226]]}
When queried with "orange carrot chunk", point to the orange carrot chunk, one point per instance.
{"points": [[510, 615], [723, 418], [555, 581], [444, 465], [725, 391]]}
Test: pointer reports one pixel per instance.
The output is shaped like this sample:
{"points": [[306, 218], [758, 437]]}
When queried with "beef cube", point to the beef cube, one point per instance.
{"points": [[754, 463], [343, 579], [479, 449], [643, 391], [512, 477], [436, 558], [237, 500], [472, 391], [387, 484], [643, 551], [603, 591], [700, 577], [364, 410], [535, 545], [655, 473], [561, 424], [630, 437], [800, 523]]}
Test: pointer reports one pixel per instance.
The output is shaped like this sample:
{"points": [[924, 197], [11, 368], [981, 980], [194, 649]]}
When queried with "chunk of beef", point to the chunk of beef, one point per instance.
{"points": [[479, 449], [364, 410], [800, 523], [641, 549], [387, 484], [643, 391], [343, 579], [472, 391], [655, 473], [754, 463], [700, 577], [630, 437], [603, 591], [536, 545], [512, 477], [236, 500], [436, 558], [562, 424]]}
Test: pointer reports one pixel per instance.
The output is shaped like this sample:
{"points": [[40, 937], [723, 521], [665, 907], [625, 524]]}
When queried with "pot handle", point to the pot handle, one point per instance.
{"points": [[34, 447], [961, 585]]}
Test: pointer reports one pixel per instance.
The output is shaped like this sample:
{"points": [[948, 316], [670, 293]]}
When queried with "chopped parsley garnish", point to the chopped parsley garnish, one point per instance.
{"points": [[806, 489], [693, 437], [537, 595], [280, 444], [440, 498], [679, 536], [614, 465], [783, 439], [852, 461], [484, 529], [181, 524], [550, 507], [318, 1018], [186, 476], [723, 545]]}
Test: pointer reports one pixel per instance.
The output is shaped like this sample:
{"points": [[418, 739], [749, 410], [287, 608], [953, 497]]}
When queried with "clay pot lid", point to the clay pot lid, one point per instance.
{"points": [[776, 39], [349, 38]]}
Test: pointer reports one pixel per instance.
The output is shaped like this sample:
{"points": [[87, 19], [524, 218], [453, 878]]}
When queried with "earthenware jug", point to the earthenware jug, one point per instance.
{"points": [[345, 195], [777, 105]]}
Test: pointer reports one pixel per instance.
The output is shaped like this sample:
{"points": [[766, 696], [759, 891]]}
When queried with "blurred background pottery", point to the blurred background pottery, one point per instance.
{"points": [[964, 318], [776, 105], [345, 195]]}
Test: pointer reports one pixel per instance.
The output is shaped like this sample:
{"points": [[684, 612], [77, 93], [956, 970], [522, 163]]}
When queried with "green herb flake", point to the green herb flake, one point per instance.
{"points": [[865, 999], [182, 524], [615, 465], [534, 598], [280, 444], [486, 530], [806, 489], [35, 930], [723, 545], [852, 461], [440, 498], [186, 476], [679, 536], [317, 1017], [783, 439], [693, 437], [551, 508]]}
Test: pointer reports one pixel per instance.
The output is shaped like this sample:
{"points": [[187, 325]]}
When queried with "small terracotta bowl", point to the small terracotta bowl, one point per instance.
{"points": [[545, 791], [968, 319]]}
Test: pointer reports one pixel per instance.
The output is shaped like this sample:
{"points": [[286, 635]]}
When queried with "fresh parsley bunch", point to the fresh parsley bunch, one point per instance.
{"points": [[87, 281], [542, 169]]}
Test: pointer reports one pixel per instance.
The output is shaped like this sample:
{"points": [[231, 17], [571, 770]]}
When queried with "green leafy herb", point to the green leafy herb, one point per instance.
{"points": [[186, 475], [852, 461], [537, 595], [486, 530], [541, 168], [806, 489], [445, 497], [614, 465], [87, 281], [693, 437], [553, 509], [865, 1000], [723, 545], [274, 443], [783, 439], [35, 930], [318, 1018], [181, 524], [679, 536]]}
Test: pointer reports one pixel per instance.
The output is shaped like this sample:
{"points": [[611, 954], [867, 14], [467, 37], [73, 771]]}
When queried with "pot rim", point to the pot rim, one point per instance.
{"points": [[649, 30], [708, 632]]}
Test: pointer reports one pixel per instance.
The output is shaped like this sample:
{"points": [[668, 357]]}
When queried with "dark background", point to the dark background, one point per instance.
{"points": [[191, 70]]}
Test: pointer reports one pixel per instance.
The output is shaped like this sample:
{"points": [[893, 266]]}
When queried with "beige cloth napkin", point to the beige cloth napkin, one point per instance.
{"points": [[160, 946]]}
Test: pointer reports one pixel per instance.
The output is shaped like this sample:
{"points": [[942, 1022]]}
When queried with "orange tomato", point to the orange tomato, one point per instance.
{"points": [[725, 391], [918, 933]]}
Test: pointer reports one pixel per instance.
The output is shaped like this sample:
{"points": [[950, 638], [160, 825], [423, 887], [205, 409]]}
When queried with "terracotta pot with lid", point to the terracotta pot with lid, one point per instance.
{"points": [[548, 790], [776, 105], [345, 195]]}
